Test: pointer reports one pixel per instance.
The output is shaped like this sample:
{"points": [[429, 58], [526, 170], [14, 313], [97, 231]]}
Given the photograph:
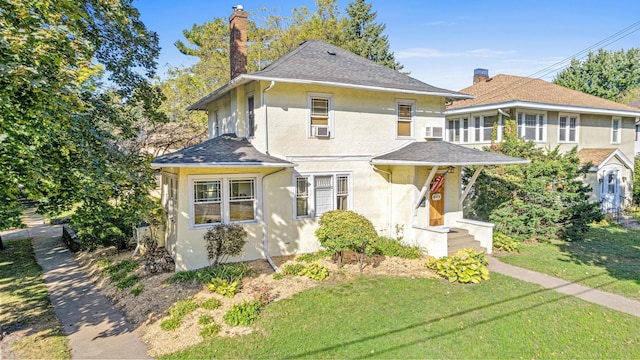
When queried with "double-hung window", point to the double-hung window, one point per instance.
{"points": [[615, 130], [568, 128], [222, 199], [251, 116], [405, 111], [320, 115], [319, 193], [459, 130], [531, 126]]}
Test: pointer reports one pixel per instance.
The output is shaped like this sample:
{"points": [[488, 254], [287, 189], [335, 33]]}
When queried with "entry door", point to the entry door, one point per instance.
{"points": [[436, 208], [610, 191]]}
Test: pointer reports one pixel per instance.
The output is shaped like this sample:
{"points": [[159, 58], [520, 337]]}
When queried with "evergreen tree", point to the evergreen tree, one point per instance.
{"points": [[362, 36]]}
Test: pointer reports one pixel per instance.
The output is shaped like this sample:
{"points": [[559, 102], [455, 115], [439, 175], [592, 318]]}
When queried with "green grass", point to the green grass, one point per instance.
{"points": [[25, 305], [383, 317], [607, 259]]}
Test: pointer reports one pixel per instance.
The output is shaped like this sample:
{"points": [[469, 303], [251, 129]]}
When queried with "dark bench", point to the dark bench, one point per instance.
{"points": [[70, 238]]}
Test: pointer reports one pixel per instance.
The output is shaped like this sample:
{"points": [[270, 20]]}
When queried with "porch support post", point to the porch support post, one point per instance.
{"points": [[425, 188], [469, 185]]}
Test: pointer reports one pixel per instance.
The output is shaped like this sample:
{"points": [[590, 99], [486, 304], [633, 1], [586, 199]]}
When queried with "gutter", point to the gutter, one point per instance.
{"points": [[265, 248]]}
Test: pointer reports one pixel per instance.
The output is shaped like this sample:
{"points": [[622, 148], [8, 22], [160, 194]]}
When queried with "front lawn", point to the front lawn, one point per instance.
{"points": [[607, 259], [25, 305], [382, 317]]}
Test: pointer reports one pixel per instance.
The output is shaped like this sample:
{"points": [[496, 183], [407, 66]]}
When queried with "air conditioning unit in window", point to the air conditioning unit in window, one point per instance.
{"points": [[321, 131], [433, 132]]}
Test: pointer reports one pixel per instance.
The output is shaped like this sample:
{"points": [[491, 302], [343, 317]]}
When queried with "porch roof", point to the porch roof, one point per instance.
{"points": [[223, 151], [443, 153]]}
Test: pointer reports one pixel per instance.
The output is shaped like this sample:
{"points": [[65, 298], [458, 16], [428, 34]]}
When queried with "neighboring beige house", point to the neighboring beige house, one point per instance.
{"points": [[552, 115], [319, 129]]}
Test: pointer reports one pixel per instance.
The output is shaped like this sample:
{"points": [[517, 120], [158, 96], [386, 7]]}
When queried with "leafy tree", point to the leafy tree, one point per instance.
{"points": [[362, 36], [541, 200], [605, 74], [67, 138], [342, 230]]}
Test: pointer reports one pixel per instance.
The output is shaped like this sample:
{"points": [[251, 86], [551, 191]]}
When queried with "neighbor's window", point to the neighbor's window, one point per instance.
{"points": [[207, 202], [317, 194], [404, 113], [615, 130], [459, 130], [487, 127], [531, 126], [567, 128], [223, 200]]}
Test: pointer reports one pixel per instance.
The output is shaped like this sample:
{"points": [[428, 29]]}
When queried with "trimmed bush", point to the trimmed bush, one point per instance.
{"points": [[342, 230], [224, 241], [465, 266]]}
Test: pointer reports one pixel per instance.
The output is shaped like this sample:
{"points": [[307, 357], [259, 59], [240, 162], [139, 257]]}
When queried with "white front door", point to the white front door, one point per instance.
{"points": [[610, 190]]}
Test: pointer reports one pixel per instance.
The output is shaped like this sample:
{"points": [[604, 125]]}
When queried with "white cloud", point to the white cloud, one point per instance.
{"points": [[429, 53]]}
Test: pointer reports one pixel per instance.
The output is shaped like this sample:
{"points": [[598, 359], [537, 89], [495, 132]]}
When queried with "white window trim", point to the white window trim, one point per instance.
{"points": [[569, 115], [545, 121], [247, 127], [460, 121], [473, 139], [619, 119], [309, 110], [311, 197], [413, 118], [224, 178]]}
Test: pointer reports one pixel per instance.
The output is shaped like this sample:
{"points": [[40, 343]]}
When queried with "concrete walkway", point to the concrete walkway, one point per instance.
{"points": [[94, 327], [613, 301]]}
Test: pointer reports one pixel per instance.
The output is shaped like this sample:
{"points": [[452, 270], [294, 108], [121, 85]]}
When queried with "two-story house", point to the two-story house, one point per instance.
{"points": [[318, 129], [551, 115]]}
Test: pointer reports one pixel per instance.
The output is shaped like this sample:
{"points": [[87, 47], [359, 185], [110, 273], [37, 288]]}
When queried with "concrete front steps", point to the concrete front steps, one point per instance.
{"points": [[461, 239]]}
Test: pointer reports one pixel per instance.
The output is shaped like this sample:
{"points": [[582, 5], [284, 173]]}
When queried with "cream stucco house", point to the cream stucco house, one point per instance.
{"points": [[319, 129], [552, 115]]}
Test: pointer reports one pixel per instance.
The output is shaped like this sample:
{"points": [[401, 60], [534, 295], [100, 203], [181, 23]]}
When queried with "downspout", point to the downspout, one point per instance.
{"points": [[265, 248], [266, 121], [389, 197]]}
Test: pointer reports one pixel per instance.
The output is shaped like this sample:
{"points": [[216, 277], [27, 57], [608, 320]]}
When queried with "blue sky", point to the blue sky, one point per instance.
{"points": [[441, 42]]}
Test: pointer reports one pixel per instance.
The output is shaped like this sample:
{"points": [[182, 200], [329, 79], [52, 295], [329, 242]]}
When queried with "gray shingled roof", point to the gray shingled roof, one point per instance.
{"points": [[223, 151], [442, 153], [318, 62]]}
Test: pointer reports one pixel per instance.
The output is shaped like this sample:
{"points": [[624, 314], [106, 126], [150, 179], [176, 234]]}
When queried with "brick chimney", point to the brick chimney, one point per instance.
{"points": [[238, 41], [480, 75]]}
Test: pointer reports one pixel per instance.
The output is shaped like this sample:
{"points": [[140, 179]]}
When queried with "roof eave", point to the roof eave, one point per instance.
{"points": [[542, 106], [224, 165], [433, 163]]}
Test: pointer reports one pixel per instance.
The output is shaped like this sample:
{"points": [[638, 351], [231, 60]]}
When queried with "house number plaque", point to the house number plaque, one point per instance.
{"points": [[436, 197]]}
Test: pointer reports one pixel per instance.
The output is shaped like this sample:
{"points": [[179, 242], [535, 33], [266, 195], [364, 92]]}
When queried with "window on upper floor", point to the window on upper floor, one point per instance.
{"points": [[405, 112], [214, 125], [251, 116], [320, 115], [319, 193], [531, 126], [222, 199], [615, 130], [458, 130], [568, 128]]}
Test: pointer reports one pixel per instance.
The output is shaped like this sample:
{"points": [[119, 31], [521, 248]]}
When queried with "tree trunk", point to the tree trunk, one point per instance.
{"points": [[339, 258], [1, 244]]}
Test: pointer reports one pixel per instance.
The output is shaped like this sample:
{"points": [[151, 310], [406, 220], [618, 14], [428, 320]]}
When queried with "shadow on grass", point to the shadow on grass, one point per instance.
{"points": [[613, 248], [499, 304]]}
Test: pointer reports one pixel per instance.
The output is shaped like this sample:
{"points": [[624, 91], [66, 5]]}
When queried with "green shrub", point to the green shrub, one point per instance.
{"points": [[278, 276], [342, 230], [503, 242], [392, 247], [177, 313], [127, 265], [209, 330], [293, 269], [210, 304], [311, 257], [243, 314], [204, 319], [230, 272], [465, 266], [224, 287], [137, 290], [224, 241], [317, 272], [128, 281]]}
